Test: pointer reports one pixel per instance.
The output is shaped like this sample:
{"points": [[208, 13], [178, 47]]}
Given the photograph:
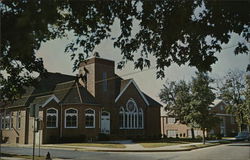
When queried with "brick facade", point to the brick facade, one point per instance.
{"points": [[101, 90], [226, 127]]}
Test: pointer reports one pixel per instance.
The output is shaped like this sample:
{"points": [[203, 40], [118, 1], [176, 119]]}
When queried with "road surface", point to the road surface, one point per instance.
{"points": [[234, 151]]}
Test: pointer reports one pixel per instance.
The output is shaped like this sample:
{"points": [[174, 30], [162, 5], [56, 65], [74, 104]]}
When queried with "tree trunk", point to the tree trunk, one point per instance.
{"points": [[203, 136], [192, 132], [239, 128]]}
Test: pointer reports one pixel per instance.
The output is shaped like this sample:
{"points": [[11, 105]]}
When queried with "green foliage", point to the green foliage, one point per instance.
{"points": [[190, 103], [202, 98], [234, 90], [177, 97], [182, 32]]}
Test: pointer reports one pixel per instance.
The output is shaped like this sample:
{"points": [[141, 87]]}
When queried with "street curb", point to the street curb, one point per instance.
{"points": [[176, 150], [111, 150]]}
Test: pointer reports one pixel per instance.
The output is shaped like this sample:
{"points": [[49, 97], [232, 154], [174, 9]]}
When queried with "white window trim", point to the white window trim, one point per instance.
{"points": [[132, 115], [53, 97], [65, 115], [18, 121], [89, 114], [7, 116], [56, 114], [171, 120], [123, 117], [142, 115]]}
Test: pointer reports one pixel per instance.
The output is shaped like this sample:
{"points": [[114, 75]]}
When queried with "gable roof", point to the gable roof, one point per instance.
{"points": [[216, 102], [62, 88], [125, 86]]}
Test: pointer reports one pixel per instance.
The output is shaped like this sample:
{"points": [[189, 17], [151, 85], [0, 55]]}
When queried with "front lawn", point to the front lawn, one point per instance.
{"points": [[22, 156], [105, 145], [160, 144]]}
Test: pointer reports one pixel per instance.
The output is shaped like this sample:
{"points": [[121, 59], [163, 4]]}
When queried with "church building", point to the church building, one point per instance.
{"points": [[83, 107]]}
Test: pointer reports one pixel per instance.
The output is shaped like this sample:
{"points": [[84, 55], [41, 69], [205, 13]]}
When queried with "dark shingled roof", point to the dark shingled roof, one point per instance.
{"points": [[151, 101], [61, 85]]}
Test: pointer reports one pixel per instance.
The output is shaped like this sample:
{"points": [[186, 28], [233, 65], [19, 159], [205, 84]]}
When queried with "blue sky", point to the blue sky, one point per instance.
{"points": [[55, 60]]}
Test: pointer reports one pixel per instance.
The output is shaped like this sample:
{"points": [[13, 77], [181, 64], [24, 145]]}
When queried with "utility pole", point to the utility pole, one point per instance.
{"points": [[34, 111], [34, 138]]}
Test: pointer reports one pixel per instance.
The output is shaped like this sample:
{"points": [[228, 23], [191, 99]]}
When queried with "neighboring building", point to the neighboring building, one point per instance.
{"points": [[171, 127], [76, 108], [227, 125]]}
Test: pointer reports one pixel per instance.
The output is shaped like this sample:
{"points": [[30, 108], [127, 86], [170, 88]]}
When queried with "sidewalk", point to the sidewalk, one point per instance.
{"points": [[129, 147]]}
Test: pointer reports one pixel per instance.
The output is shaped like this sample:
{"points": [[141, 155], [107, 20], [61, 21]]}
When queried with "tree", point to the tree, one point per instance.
{"points": [[234, 91], [189, 103], [177, 97], [202, 98], [247, 103], [182, 32]]}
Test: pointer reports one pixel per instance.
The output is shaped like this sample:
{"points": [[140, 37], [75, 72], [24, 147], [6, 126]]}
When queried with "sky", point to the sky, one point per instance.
{"points": [[56, 60]]}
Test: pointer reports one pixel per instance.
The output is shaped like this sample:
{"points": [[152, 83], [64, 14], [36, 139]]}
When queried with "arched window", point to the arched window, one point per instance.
{"points": [[131, 117], [122, 118], [51, 118], [140, 119], [71, 117], [89, 118]]}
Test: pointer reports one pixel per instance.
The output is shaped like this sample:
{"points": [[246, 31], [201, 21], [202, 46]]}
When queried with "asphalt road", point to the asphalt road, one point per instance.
{"points": [[235, 151]]}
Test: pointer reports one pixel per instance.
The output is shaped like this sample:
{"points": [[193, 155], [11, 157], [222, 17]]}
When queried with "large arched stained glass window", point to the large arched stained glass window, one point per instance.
{"points": [[131, 117]]}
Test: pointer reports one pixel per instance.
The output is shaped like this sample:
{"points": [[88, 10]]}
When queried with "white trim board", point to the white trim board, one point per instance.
{"points": [[50, 99], [138, 89]]}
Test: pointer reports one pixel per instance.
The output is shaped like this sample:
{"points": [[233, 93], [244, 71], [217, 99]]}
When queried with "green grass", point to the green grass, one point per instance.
{"points": [[160, 144], [227, 137], [105, 145], [22, 156]]}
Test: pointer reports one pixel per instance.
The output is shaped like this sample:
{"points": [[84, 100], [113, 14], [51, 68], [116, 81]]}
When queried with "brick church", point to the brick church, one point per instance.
{"points": [[73, 108]]}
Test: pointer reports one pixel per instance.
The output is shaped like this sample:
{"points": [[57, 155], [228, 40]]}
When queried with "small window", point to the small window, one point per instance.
{"points": [[71, 117], [171, 120], [7, 121], [52, 118], [172, 133], [11, 120], [122, 118], [221, 107], [90, 118], [18, 120]]}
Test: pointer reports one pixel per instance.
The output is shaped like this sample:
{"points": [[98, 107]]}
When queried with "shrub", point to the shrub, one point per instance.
{"points": [[103, 137]]}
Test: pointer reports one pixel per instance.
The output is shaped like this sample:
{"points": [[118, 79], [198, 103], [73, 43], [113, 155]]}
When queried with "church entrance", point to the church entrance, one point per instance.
{"points": [[105, 122]]}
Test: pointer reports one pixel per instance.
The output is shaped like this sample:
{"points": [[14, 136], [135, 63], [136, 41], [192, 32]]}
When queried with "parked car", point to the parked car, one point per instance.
{"points": [[243, 136]]}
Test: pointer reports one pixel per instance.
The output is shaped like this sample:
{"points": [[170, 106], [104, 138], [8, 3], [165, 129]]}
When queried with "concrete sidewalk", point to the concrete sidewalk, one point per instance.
{"points": [[130, 146]]}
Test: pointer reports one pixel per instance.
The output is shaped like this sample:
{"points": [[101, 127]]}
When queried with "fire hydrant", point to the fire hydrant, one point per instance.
{"points": [[48, 156]]}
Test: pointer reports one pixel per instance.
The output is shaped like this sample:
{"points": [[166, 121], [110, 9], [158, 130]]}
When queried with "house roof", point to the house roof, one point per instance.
{"points": [[64, 89], [216, 102], [60, 86]]}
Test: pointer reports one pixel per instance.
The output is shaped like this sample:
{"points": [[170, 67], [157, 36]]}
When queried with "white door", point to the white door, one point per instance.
{"points": [[105, 122]]}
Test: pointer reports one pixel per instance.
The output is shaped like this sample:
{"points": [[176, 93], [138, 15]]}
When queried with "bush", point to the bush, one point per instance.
{"points": [[198, 137], [103, 137], [75, 139]]}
